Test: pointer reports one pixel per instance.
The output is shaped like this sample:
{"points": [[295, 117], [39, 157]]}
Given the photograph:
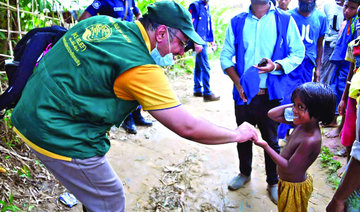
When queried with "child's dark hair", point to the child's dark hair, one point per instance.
{"points": [[319, 100], [355, 1]]}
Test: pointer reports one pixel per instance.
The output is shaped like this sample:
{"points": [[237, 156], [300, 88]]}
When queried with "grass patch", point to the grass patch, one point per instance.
{"points": [[332, 165]]}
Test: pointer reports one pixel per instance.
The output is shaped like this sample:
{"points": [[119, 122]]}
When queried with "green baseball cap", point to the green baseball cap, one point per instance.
{"points": [[174, 15]]}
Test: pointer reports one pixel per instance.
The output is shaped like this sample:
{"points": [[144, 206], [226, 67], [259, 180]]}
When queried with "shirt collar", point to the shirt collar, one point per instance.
{"points": [[144, 35], [272, 8]]}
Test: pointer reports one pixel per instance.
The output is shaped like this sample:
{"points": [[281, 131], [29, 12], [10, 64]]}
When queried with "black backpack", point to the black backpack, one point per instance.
{"points": [[27, 53]]}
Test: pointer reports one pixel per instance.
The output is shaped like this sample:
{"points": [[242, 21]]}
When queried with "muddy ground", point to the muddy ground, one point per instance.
{"points": [[161, 171]]}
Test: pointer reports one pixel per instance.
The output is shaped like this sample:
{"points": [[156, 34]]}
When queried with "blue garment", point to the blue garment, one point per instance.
{"points": [[202, 73], [202, 20], [346, 36], [113, 8], [338, 79], [311, 29], [245, 39], [202, 25], [250, 89], [342, 67], [302, 74]]}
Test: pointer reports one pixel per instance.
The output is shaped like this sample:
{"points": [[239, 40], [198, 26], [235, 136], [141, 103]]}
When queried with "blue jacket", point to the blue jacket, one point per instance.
{"points": [[202, 20], [113, 8], [339, 52], [281, 50]]}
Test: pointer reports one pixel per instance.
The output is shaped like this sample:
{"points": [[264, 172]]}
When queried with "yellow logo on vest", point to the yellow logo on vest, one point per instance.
{"points": [[97, 33]]}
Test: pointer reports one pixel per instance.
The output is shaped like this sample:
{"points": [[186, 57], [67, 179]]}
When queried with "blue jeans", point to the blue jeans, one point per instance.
{"points": [[338, 80], [202, 73], [256, 114]]}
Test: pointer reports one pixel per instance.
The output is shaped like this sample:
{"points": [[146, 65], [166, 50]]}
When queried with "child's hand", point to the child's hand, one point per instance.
{"points": [[261, 143], [342, 107]]}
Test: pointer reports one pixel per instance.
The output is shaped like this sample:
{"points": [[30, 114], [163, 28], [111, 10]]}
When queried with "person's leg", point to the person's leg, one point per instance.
{"points": [[338, 83], [244, 150], [348, 134], [268, 129], [197, 76], [129, 124], [242, 114], [204, 67], [92, 181], [139, 119], [327, 68], [205, 70], [334, 85]]}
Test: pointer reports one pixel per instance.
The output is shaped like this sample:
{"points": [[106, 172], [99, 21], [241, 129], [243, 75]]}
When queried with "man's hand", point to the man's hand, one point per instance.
{"points": [[198, 48], [342, 107], [240, 89], [335, 206], [269, 67], [247, 132]]}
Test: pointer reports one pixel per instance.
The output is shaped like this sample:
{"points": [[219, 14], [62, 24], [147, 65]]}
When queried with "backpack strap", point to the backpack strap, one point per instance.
{"points": [[27, 52]]}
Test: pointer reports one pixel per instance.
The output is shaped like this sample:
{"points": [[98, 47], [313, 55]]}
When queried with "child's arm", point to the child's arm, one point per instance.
{"points": [[349, 183], [277, 113], [304, 155], [277, 158]]}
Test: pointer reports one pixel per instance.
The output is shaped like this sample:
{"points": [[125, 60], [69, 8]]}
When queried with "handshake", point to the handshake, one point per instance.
{"points": [[247, 132]]}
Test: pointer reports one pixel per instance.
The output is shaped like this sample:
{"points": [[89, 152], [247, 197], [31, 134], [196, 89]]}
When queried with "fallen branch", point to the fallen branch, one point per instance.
{"points": [[15, 154]]}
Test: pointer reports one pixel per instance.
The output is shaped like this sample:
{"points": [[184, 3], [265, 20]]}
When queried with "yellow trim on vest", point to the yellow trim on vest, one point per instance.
{"points": [[144, 35], [41, 150]]}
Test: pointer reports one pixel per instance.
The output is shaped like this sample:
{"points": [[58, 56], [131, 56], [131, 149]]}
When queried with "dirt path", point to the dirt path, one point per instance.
{"points": [[205, 171]]}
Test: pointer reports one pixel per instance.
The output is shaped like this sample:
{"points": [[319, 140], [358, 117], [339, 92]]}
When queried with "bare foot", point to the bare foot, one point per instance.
{"points": [[333, 133], [332, 124], [329, 125]]}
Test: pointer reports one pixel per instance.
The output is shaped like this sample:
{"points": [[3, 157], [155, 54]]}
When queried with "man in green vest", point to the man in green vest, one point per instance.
{"points": [[98, 73]]}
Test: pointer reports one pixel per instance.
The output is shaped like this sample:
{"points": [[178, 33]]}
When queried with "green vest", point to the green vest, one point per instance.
{"points": [[69, 104]]}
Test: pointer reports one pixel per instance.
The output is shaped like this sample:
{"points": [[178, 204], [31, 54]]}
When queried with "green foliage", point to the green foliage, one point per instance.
{"points": [[142, 5], [39, 13], [43, 7], [24, 172], [8, 206], [327, 161], [10, 139]]}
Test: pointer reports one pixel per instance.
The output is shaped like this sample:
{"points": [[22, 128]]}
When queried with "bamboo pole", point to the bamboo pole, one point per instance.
{"points": [[45, 13], [60, 15], [18, 17], [27, 12], [32, 10], [9, 29], [5, 55], [34, 13]]}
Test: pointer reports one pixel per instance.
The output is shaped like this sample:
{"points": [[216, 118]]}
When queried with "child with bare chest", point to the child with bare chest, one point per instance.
{"points": [[312, 103]]}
